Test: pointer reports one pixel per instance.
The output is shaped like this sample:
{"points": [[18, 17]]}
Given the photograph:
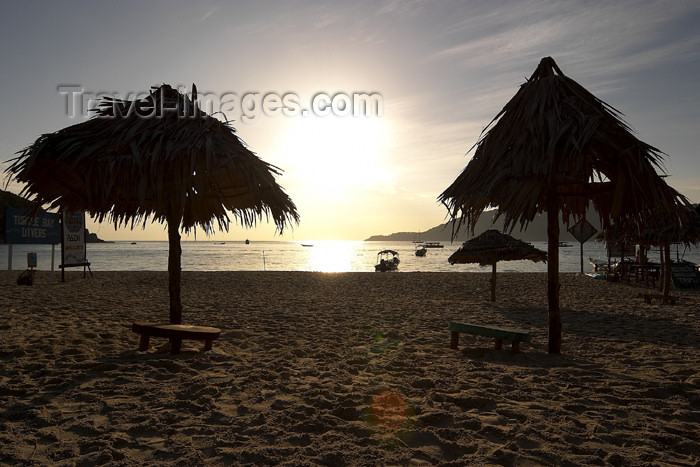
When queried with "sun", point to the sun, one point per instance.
{"points": [[337, 156]]}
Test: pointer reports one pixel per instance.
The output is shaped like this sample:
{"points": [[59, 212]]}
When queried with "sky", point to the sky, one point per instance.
{"points": [[439, 71]]}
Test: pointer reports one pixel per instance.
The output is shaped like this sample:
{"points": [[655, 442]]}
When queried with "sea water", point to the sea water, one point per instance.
{"points": [[324, 256]]}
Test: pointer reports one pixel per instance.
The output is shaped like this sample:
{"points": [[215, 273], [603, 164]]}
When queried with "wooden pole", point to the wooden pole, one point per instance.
{"points": [[662, 262], [553, 274], [667, 272], [63, 249], [174, 270], [581, 257], [9, 263], [493, 282]]}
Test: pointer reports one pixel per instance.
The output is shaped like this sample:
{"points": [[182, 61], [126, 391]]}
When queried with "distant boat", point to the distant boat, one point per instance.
{"points": [[307, 245], [419, 240], [247, 242], [433, 245], [564, 244], [387, 260], [133, 243], [420, 250]]}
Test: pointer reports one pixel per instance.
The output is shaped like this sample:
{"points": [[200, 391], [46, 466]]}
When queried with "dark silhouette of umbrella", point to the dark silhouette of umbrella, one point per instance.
{"points": [[661, 231], [161, 158], [493, 246], [555, 147]]}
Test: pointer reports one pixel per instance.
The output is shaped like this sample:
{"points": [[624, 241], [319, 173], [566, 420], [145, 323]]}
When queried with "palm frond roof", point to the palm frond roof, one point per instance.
{"points": [[661, 230], [556, 139], [492, 246], [159, 157]]}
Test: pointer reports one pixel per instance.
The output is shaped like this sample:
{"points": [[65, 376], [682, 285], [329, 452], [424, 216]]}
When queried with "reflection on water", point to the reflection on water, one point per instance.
{"points": [[330, 256], [326, 256]]}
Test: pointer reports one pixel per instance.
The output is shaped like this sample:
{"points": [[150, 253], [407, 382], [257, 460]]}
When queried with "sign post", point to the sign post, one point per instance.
{"points": [[582, 230], [9, 264], [73, 242]]}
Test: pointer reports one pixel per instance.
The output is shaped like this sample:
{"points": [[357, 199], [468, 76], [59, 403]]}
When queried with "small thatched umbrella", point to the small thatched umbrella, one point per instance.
{"points": [[660, 231], [493, 246], [162, 158], [554, 147]]}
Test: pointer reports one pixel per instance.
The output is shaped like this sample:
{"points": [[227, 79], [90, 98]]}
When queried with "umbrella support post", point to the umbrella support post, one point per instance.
{"points": [[9, 263], [554, 346], [662, 276], [493, 282], [174, 270], [667, 273]]}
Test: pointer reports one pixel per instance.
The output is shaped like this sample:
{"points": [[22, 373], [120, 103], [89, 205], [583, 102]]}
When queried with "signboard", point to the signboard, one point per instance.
{"points": [[73, 246], [22, 229], [582, 230], [685, 275]]}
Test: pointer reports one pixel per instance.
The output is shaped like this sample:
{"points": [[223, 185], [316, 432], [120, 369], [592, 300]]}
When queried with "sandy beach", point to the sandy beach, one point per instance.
{"points": [[345, 369]]}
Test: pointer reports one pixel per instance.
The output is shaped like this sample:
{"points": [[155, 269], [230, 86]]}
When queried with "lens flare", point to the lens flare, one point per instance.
{"points": [[389, 409]]}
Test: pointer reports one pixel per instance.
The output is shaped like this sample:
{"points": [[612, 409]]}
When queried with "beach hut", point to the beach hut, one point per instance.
{"points": [[555, 147], [160, 158], [491, 247]]}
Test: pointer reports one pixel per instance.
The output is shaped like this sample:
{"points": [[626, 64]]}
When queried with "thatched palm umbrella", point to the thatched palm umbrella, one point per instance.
{"points": [[660, 231], [162, 158], [491, 247], [554, 147]]}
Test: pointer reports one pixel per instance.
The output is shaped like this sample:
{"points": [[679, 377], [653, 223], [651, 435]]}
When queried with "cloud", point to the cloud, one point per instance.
{"points": [[617, 37], [207, 15]]}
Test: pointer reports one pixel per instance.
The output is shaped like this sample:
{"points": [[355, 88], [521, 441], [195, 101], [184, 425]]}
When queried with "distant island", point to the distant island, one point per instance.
{"points": [[93, 238], [536, 231]]}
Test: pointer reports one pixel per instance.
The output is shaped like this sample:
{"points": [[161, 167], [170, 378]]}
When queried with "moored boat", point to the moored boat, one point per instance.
{"points": [[387, 260]]}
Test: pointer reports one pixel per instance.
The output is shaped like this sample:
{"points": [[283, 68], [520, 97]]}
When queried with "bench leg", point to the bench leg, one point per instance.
{"points": [[144, 342], [175, 345], [515, 347], [499, 344], [207, 345], [454, 340]]}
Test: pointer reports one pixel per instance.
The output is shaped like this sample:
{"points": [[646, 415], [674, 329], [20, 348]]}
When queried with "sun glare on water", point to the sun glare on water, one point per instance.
{"points": [[331, 256]]}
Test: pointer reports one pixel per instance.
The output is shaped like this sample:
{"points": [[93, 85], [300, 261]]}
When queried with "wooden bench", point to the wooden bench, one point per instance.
{"points": [[176, 333], [648, 297], [515, 336]]}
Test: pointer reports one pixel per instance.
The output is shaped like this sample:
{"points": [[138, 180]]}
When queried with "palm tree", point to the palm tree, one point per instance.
{"points": [[158, 158], [555, 147]]}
